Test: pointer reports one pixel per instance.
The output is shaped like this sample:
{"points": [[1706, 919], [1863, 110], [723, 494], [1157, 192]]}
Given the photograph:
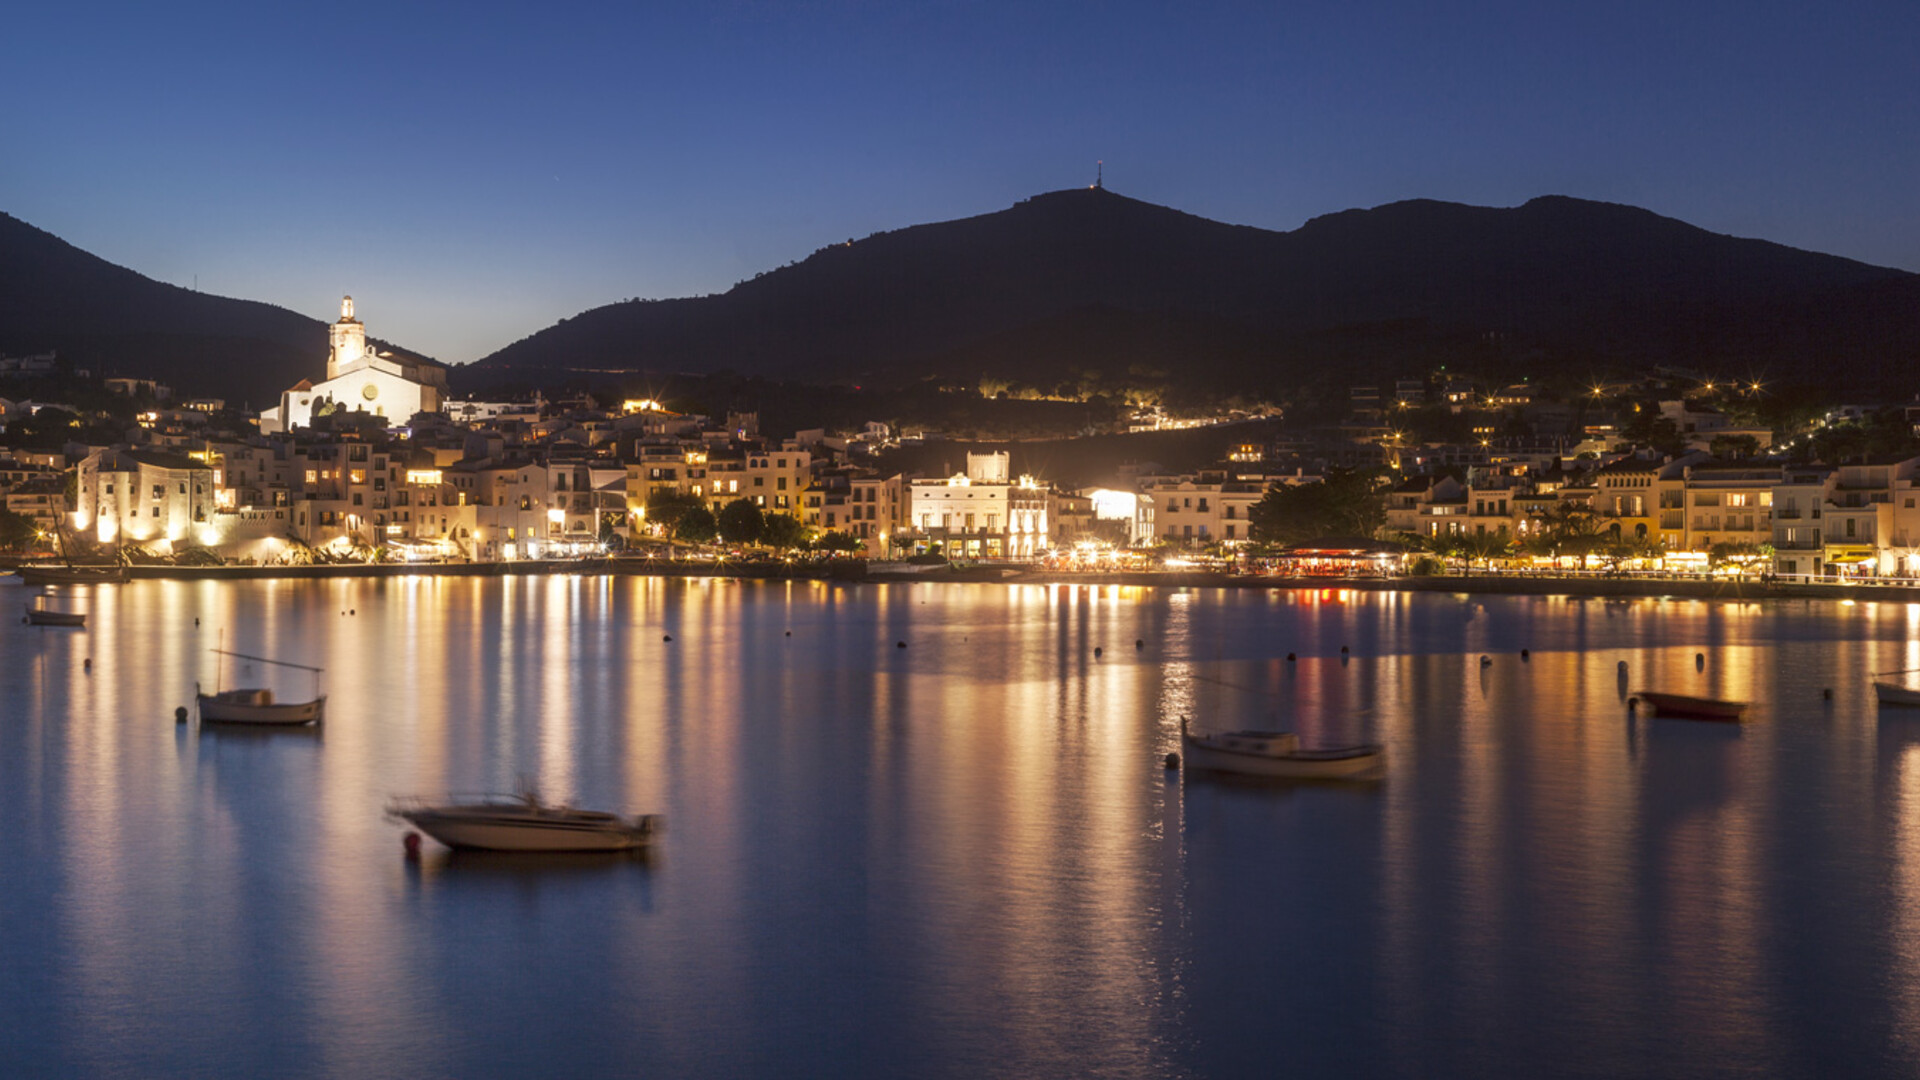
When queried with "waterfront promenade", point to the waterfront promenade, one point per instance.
{"points": [[858, 570]]}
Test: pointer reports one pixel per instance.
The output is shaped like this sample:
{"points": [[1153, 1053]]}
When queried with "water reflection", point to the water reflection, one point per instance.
{"points": [[964, 856]]}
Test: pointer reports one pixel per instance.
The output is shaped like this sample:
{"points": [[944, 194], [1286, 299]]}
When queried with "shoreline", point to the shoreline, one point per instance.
{"points": [[858, 572]]}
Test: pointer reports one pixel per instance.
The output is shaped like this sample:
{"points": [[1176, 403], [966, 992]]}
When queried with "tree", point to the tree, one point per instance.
{"points": [[696, 526], [1566, 529], [741, 522], [836, 540], [666, 506], [1741, 554], [1349, 502], [1484, 548], [17, 531], [783, 531]]}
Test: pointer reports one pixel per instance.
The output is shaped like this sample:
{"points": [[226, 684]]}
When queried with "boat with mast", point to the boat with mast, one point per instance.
{"points": [[255, 705]]}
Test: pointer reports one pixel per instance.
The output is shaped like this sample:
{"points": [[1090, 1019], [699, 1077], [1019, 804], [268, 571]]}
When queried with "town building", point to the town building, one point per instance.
{"points": [[360, 379]]}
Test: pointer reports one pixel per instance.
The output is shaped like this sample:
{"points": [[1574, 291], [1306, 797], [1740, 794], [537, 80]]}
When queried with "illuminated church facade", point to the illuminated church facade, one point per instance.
{"points": [[360, 380]]}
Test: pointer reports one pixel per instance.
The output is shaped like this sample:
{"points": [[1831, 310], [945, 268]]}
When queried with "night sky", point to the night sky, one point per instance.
{"points": [[471, 173]]}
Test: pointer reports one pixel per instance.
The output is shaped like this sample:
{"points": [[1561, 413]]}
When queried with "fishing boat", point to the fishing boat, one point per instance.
{"points": [[39, 614], [1278, 754], [1690, 707], [522, 822], [256, 705], [55, 574]]}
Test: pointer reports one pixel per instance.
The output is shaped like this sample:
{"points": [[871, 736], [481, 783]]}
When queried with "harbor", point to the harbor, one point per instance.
{"points": [[949, 803]]}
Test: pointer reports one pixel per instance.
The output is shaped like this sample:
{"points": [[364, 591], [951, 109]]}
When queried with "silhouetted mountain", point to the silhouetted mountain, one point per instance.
{"points": [[113, 321], [1089, 281]]}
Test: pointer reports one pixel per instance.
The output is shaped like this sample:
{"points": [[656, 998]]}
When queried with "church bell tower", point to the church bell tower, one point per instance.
{"points": [[347, 340]]}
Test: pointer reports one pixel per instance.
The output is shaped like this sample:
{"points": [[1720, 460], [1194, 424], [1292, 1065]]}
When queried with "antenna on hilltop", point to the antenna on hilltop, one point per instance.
{"points": [[1098, 168]]}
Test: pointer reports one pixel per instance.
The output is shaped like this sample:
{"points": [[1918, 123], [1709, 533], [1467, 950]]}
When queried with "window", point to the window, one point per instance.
{"points": [[159, 491], [780, 483]]}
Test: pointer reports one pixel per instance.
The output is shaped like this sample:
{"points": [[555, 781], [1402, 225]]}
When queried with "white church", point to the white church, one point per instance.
{"points": [[359, 379]]}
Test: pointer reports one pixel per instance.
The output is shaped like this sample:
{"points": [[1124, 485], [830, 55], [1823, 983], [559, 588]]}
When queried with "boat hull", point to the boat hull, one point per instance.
{"points": [[71, 575], [1352, 762], [1895, 694], [42, 617], [477, 830], [1687, 707], [215, 710]]}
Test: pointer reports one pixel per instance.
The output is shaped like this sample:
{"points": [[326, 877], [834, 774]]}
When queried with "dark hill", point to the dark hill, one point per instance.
{"points": [[112, 321], [1082, 280]]}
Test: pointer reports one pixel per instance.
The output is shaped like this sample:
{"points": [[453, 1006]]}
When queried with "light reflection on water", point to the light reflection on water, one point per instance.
{"points": [[961, 857]]}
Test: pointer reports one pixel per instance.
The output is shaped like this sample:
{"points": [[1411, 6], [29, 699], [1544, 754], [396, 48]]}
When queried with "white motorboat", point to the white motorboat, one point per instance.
{"points": [[524, 823], [1279, 754], [255, 705]]}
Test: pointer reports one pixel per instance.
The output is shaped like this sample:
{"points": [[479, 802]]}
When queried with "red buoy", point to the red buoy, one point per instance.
{"points": [[412, 843]]}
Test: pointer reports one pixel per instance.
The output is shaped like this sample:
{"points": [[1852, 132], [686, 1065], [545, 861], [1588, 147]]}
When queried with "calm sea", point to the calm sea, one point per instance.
{"points": [[963, 857]]}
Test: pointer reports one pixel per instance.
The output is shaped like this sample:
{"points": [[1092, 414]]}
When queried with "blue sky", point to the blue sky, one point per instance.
{"points": [[471, 173]]}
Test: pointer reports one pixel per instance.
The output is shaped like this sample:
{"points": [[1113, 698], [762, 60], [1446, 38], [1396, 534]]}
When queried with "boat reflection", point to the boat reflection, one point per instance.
{"points": [[516, 864]]}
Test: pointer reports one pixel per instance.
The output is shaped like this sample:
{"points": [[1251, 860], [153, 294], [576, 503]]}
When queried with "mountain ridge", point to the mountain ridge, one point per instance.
{"points": [[1601, 283], [98, 315]]}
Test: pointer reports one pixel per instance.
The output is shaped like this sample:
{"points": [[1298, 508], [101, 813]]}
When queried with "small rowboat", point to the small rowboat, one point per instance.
{"points": [[1691, 708], [1278, 754], [38, 614]]}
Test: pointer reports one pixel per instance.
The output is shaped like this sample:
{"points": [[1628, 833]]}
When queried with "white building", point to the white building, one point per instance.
{"points": [[360, 380], [980, 513], [143, 496]]}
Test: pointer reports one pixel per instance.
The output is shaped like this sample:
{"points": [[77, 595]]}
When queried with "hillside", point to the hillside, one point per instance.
{"points": [[113, 321], [1081, 280]]}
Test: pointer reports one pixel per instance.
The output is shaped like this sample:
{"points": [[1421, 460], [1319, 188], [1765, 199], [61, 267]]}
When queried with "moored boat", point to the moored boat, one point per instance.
{"points": [[39, 614], [1279, 754], [524, 823], [256, 706], [1687, 706], [1896, 694], [58, 574]]}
